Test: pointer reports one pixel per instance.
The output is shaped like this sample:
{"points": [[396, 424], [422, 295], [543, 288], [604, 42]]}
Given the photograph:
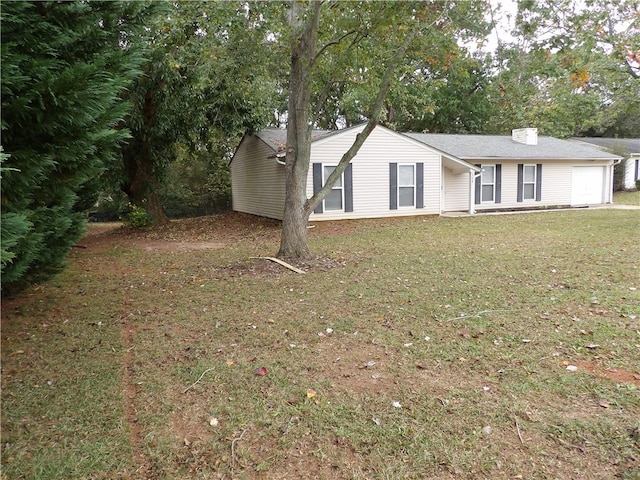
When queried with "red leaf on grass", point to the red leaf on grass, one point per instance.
{"points": [[261, 371]]}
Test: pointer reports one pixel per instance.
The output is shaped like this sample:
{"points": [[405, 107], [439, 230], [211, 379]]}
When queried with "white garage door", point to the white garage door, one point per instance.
{"points": [[587, 185]]}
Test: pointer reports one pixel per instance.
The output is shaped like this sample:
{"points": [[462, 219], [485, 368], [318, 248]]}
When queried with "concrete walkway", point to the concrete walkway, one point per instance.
{"points": [[620, 207], [540, 210]]}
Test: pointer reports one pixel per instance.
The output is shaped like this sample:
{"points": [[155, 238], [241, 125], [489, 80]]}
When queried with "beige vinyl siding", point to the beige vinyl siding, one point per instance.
{"points": [[371, 172], [556, 183], [456, 191], [257, 182]]}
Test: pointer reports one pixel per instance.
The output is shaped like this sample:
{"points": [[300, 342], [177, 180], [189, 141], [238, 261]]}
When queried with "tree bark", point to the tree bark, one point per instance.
{"points": [[140, 188], [297, 208], [293, 240], [141, 184]]}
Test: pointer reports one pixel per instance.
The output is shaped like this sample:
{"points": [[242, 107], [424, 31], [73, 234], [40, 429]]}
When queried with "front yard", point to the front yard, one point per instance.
{"points": [[428, 348]]}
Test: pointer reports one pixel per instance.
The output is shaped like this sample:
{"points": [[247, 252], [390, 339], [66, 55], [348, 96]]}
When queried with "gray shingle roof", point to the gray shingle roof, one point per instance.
{"points": [[476, 147], [276, 138], [627, 145]]}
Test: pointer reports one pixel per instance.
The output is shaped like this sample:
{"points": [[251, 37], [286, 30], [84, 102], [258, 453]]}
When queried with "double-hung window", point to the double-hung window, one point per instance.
{"points": [[334, 200], [488, 188], [406, 186], [340, 197], [529, 182]]}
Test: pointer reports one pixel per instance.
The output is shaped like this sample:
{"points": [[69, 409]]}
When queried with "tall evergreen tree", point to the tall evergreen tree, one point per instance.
{"points": [[64, 67]]}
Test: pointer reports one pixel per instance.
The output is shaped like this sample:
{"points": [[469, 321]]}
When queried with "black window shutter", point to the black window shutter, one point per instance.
{"points": [[498, 197], [317, 183], [538, 182], [520, 181], [419, 185], [393, 186], [637, 170], [348, 188], [478, 186]]}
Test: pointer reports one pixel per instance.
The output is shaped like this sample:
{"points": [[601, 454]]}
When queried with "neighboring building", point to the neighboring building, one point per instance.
{"points": [[397, 174], [629, 148]]}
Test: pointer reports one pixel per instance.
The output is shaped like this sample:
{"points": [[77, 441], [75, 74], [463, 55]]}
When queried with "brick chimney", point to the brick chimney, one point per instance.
{"points": [[527, 136]]}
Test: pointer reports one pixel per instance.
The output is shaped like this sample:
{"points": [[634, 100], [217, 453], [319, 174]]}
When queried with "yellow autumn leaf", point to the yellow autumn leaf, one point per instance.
{"points": [[311, 393], [229, 362]]}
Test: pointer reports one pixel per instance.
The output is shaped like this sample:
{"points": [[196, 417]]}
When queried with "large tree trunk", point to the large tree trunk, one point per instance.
{"points": [[297, 208], [141, 188], [293, 241], [141, 184]]}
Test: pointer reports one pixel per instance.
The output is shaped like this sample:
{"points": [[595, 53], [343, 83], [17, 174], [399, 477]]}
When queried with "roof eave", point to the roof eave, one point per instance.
{"points": [[555, 159], [460, 161]]}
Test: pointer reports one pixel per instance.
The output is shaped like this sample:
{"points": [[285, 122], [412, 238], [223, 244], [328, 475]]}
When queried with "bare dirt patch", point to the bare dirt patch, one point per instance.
{"points": [[180, 235], [616, 374], [211, 233], [265, 267]]}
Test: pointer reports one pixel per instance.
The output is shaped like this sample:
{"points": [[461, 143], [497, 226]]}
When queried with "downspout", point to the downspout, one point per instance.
{"points": [[472, 189], [612, 178]]}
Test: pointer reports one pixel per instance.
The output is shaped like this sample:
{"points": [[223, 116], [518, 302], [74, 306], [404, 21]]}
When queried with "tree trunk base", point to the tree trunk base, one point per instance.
{"points": [[293, 240]]}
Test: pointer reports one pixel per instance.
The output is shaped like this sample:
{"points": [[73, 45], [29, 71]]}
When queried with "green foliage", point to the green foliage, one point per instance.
{"points": [[197, 183], [138, 218], [444, 95], [571, 70], [14, 226], [206, 82], [63, 69], [438, 85]]}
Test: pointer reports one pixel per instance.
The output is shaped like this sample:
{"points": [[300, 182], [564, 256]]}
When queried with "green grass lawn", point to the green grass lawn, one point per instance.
{"points": [[421, 348], [627, 198]]}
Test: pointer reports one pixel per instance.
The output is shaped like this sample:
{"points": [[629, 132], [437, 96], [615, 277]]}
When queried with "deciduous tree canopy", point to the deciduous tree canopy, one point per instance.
{"points": [[206, 81]]}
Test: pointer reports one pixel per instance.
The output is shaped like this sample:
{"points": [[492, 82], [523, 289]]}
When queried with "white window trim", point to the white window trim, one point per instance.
{"points": [[493, 184], [525, 183], [324, 181], [414, 186]]}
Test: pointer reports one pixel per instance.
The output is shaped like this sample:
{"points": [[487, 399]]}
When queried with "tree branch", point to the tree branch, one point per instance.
{"points": [[374, 118], [633, 71], [332, 42]]}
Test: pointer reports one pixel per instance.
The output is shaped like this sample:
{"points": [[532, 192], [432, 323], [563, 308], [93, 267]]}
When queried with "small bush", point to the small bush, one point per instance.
{"points": [[138, 218]]}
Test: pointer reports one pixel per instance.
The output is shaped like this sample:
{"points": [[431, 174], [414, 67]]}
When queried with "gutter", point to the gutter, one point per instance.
{"points": [[472, 187], [556, 159]]}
